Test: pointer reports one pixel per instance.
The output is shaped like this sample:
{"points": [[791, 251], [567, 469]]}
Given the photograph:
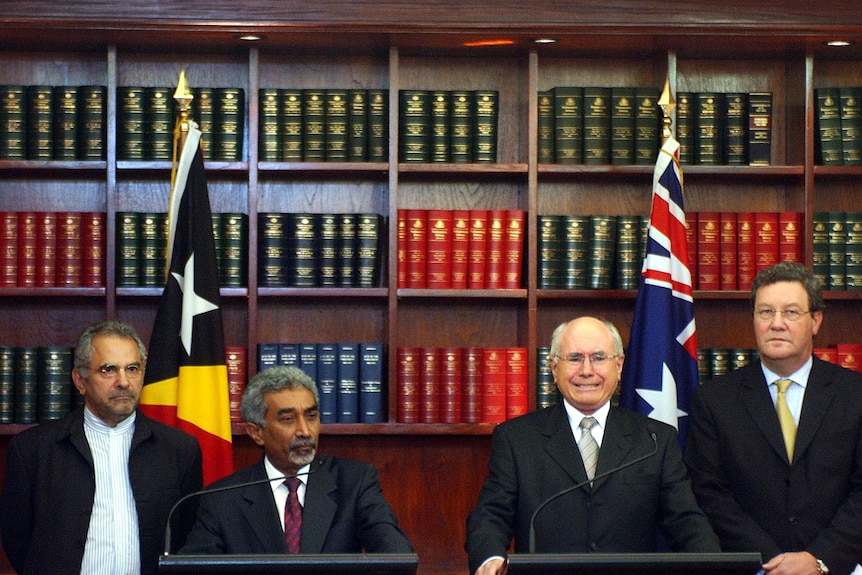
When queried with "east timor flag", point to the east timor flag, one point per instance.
{"points": [[186, 376]]}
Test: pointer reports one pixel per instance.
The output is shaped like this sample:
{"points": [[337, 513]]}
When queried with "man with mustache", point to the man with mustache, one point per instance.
{"points": [[342, 505], [91, 493]]}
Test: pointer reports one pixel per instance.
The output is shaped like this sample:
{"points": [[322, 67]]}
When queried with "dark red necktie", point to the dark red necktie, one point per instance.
{"points": [[292, 516]]}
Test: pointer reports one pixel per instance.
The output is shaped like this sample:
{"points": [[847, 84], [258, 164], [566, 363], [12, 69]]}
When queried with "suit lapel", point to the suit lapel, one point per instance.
{"points": [[758, 403], [617, 443], [818, 397], [315, 525], [261, 515], [561, 445]]}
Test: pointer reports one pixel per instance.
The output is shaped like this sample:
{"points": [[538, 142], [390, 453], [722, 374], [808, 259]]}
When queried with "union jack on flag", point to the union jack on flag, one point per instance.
{"points": [[660, 370]]}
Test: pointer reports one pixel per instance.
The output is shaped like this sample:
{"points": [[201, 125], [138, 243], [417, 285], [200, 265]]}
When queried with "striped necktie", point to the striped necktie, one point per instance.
{"points": [[588, 446]]}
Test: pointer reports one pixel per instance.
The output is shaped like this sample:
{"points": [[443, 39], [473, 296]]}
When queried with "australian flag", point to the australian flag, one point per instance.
{"points": [[660, 370]]}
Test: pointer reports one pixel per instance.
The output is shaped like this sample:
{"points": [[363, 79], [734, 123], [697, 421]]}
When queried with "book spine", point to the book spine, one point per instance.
{"points": [[622, 125], [790, 236], [472, 382], [603, 236], [150, 243], [308, 359], [158, 123], [328, 263], [130, 123], [378, 125], [494, 385], [26, 381], [357, 125], [28, 230], [93, 248], [40, 118], [128, 229], [760, 128], [336, 125], [347, 250], [415, 125], [708, 144], [203, 110], [628, 253], [829, 151], [313, 125], [708, 250], [685, 127], [451, 385], [745, 256], [460, 248], [495, 258], [853, 251], [233, 261], [267, 356], [546, 134], [288, 354], [549, 250], [728, 261], [478, 249], [438, 267], [820, 249], [837, 237], [850, 111], [401, 249], [513, 248], [576, 243], [229, 124], [273, 259], [429, 385], [461, 122], [486, 115], [568, 124], [547, 393], [517, 381], [303, 234], [440, 128], [236, 360], [766, 240], [371, 383], [269, 118], [647, 125], [327, 381], [407, 385], [292, 126], [69, 269], [53, 382], [8, 249], [65, 123], [7, 384], [368, 255], [347, 394], [13, 122], [735, 126], [46, 249], [597, 125], [417, 237]]}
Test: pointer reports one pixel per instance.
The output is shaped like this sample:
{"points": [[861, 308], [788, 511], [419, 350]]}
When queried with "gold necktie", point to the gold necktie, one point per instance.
{"points": [[788, 426]]}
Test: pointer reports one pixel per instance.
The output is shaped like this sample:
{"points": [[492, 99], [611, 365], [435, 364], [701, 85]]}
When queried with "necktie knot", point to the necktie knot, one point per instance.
{"points": [[292, 484], [783, 384], [587, 423]]}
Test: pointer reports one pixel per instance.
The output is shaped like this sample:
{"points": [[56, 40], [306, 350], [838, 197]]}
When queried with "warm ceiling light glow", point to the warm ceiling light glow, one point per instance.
{"points": [[544, 41], [250, 37], [839, 43], [498, 42]]}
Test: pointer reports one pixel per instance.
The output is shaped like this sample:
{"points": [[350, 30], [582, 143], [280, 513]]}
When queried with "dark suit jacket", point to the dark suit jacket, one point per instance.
{"points": [[535, 456], [344, 512], [755, 499], [50, 483]]}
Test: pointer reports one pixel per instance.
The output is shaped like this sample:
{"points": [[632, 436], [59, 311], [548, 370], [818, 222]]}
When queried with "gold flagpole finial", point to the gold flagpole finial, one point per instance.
{"points": [[183, 97], [667, 104]]}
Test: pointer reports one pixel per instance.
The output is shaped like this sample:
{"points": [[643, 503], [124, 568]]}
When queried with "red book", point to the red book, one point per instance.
{"points": [[477, 249], [745, 250], [401, 248], [69, 272], [46, 249], [691, 244], [472, 369], [93, 242], [829, 354], [417, 237], [765, 240], [8, 249], [495, 249], [708, 250], [450, 385], [494, 385], [407, 385], [790, 236], [429, 385], [727, 244], [438, 267], [27, 246], [513, 249], [517, 381], [849, 355], [236, 359], [460, 248]]}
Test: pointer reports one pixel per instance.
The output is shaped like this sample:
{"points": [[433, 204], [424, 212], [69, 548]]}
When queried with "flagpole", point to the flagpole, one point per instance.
{"points": [[183, 97], [667, 104]]}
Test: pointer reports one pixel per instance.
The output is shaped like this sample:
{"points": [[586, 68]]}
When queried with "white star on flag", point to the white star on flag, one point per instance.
{"points": [[192, 303], [663, 401]]}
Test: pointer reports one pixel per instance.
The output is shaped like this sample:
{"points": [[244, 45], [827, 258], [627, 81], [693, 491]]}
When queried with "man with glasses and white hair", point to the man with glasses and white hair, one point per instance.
{"points": [[775, 447], [91, 493], [640, 488]]}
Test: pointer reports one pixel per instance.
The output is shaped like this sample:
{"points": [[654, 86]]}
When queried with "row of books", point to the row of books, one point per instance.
{"points": [[52, 249], [323, 125], [724, 128], [839, 126], [460, 249], [349, 376], [716, 361], [142, 243], [52, 122], [727, 249], [448, 126], [320, 250], [837, 250], [461, 385], [146, 118], [36, 384]]}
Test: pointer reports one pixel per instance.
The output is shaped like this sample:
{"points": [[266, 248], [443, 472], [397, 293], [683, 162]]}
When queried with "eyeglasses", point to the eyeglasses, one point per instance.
{"points": [[791, 315], [108, 371], [598, 358]]}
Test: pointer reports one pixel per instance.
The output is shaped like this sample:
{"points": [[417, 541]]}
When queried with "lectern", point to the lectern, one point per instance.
{"points": [[342, 564], [635, 564]]}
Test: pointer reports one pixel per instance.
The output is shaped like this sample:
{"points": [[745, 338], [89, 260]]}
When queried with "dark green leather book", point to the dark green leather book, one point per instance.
{"points": [[547, 393], [647, 125], [357, 125], [128, 249], [7, 384], [347, 250], [328, 252], [292, 125], [853, 251], [13, 122], [735, 126], [302, 237], [549, 249], [65, 122], [229, 124], [269, 121], [368, 249], [602, 251], [440, 109], [576, 244], [40, 118], [850, 102], [597, 125], [152, 246], [130, 123], [719, 361], [272, 249], [760, 128], [415, 125], [628, 259], [820, 250], [708, 147], [336, 125], [622, 125], [837, 238], [313, 125], [546, 127], [568, 125], [158, 123], [54, 382], [203, 112], [486, 112], [378, 125], [685, 126], [26, 381], [233, 257], [461, 127], [829, 149], [91, 122]]}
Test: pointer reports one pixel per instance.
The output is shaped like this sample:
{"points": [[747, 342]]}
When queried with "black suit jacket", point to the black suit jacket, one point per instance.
{"points": [[756, 499], [344, 512], [50, 484], [535, 456]]}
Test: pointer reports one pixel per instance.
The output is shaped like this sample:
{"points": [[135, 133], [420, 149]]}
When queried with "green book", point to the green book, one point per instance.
{"points": [[440, 108], [272, 249], [151, 249], [546, 127], [735, 126], [313, 125], [550, 252], [851, 125], [228, 124], [302, 237], [685, 126], [461, 126], [602, 251], [40, 117], [233, 260], [760, 128], [54, 382], [597, 125], [65, 123], [547, 393], [269, 120], [568, 125], [158, 124], [622, 125], [576, 243], [328, 253], [708, 147], [486, 112], [368, 255], [130, 123], [336, 125], [347, 249], [292, 125], [13, 122], [203, 112], [378, 125], [837, 238], [719, 361], [128, 250], [627, 258], [91, 122], [829, 145], [7, 384], [853, 251], [415, 125], [647, 125], [26, 381], [357, 125], [820, 251]]}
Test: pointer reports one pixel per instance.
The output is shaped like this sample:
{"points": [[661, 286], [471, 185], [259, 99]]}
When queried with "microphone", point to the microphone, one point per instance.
{"points": [[207, 491], [532, 542]]}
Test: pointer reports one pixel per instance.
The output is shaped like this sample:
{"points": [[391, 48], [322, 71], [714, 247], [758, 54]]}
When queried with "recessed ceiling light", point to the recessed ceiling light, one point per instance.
{"points": [[839, 43], [545, 41], [250, 37]]}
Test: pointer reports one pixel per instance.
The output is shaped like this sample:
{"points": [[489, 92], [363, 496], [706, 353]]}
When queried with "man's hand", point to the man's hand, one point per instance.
{"points": [[496, 566], [797, 563]]}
